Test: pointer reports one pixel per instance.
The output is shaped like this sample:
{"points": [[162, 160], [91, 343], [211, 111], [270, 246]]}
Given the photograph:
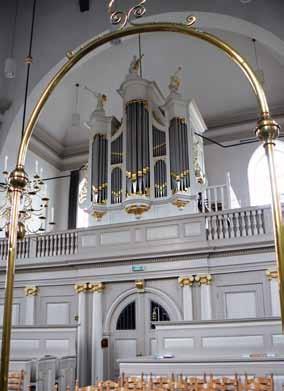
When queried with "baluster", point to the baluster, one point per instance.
{"points": [[226, 226], [71, 243], [222, 198], [237, 224], [248, 216], [209, 199], [208, 222], [259, 215], [243, 224], [76, 243], [231, 225], [220, 226], [254, 223], [215, 199], [45, 246], [203, 195], [214, 227]]}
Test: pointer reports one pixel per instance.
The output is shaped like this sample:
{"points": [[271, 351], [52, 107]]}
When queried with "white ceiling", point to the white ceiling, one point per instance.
{"points": [[221, 92]]}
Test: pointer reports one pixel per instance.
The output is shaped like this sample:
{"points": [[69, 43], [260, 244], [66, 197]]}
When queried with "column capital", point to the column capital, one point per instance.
{"points": [[31, 290], [97, 287], [203, 279], [186, 281], [140, 285], [271, 273]]}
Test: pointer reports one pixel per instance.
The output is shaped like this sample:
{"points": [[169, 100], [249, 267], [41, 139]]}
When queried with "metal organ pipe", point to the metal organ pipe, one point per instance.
{"points": [[137, 154], [100, 169], [179, 159]]}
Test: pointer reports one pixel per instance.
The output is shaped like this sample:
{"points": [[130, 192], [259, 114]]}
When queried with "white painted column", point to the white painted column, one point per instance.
{"points": [[83, 365], [205, 293], [31, 292], [186, 284], [272, 276], [97, 333]]}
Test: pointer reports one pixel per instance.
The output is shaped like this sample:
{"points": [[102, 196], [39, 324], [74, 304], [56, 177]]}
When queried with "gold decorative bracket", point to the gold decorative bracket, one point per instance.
{"points": [[121, 18], [31, 290], [270, 274], [86, 287], [186, 281], [140, 286]]}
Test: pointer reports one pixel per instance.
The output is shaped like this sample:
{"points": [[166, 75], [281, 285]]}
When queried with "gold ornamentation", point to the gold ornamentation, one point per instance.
{"points": [[190, 20], [140, 285], [98, 215], [180, 204], [270, 274], [31, 290], [137, 209], [86, 287], [186, 281], [203, 279], [121, 18]]}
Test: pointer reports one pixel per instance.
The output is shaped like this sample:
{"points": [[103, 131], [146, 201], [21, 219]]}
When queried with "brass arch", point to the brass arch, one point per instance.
{"points": [[267, 131]]}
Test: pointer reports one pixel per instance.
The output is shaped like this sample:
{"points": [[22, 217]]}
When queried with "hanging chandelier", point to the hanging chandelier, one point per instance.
{"points": [[34, 207]]}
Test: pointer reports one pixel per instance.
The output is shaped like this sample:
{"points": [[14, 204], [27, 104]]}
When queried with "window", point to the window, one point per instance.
{"points": [[126, 319], [258, 175], [158, 313]]}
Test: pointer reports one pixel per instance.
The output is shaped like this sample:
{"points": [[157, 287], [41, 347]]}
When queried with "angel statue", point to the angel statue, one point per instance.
{"points": [[101, 99], [175, 80], [135, 64]]}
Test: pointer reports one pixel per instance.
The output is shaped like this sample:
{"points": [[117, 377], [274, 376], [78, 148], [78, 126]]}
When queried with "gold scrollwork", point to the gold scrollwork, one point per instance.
{"points": [[190, 20], [121, 18]]}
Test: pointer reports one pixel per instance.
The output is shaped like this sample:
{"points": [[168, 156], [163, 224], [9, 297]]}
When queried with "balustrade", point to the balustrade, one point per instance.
{"points": [[218, 225], [235, 224]]}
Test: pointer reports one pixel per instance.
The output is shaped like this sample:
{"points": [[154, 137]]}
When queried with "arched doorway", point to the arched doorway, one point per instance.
{"points": [[131, 326]]}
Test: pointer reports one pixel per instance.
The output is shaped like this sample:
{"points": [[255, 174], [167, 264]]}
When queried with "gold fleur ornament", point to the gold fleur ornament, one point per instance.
{"points": [[118, 17]]}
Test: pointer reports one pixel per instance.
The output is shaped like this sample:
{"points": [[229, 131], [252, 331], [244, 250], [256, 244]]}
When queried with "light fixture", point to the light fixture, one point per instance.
{"points": [[10, 63], [33, 212]]}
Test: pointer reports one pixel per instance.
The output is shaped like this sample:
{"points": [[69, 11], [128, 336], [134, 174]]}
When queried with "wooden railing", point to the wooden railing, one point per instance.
{"points": [[235, 224]]}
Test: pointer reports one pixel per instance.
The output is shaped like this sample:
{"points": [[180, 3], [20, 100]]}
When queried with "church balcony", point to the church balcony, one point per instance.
{"points": [[201, 233]]}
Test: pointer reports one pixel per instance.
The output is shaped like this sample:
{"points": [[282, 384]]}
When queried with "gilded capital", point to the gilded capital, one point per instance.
{"points": [[97, 287], [270, 274], [140, 285], [31, 290], [203, 279], [186, 281]]}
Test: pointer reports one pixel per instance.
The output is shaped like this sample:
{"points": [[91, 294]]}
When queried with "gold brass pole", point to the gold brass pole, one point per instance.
{"points": [[19, 179], [267, 131], [18, 182]]}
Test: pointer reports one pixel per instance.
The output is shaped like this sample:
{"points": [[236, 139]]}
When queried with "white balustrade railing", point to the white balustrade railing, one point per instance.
{"points": [[56, 244], [215, 198], [193, 230], [235, 223]]}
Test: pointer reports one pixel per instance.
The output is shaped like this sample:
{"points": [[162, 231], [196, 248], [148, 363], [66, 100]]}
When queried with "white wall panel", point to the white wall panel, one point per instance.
{"points": [[240, 305], [157, 233], [178, 344], [57, 313], [228, 342]]}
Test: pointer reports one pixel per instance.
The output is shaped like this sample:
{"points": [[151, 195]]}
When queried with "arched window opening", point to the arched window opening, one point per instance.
{"points": [[158, 313], [127, 318], [258, 175]]}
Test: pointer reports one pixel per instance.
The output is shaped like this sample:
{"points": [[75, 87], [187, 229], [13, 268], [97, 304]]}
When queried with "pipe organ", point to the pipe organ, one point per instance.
{"points": [[152, 161]]}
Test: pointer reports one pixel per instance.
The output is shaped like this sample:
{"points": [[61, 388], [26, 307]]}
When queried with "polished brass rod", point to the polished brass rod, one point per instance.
{"points": [[9, 290], [277, 222]]}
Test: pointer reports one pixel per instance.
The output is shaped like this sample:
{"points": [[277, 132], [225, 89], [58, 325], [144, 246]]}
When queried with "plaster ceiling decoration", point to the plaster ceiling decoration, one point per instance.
{"points": [[218, 87]]}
